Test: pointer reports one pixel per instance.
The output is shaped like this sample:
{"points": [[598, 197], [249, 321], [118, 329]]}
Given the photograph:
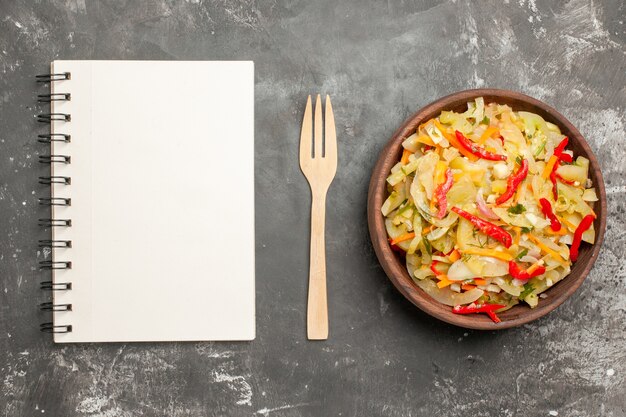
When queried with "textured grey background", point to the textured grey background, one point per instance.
{"points": [[381, 61]]}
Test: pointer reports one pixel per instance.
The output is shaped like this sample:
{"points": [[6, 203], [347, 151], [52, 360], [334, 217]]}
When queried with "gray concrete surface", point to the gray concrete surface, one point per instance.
{"points": [[380, 61]]}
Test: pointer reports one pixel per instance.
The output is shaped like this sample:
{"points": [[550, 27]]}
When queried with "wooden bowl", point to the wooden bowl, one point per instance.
{"points": [[394, 264]]}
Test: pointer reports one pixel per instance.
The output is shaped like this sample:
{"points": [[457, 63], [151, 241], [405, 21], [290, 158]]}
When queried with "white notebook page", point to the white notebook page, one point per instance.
{"points": [[162, 168]]}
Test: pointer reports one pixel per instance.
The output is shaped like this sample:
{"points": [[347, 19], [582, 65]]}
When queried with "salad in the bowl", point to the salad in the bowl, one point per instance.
{"points": [[489, 207]]}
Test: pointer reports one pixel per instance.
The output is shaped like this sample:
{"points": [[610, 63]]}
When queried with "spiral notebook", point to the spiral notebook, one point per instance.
{"points": [[152, 201]]}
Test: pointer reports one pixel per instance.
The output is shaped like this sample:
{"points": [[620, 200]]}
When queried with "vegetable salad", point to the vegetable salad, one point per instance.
{"points": [[489, 207]]}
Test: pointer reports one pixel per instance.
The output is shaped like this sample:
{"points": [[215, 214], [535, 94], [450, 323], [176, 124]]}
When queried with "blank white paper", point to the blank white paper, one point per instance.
{"points": [[162, 201]]}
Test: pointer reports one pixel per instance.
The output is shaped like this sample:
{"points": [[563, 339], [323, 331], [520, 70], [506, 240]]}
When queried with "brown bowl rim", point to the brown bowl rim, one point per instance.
{"points": [[396, 271]]}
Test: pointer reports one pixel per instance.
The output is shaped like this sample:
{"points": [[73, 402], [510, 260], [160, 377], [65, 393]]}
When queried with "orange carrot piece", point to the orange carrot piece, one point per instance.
{"points": [[405, 156], [549, 166], [427, 229], [402, 238]]}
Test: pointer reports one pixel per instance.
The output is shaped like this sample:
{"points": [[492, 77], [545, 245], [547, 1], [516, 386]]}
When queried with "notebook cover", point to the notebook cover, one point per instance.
{"points": [[162, 201]]}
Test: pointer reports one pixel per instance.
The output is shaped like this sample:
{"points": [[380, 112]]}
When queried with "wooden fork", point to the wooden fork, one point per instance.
{"points": [[318, 161]]}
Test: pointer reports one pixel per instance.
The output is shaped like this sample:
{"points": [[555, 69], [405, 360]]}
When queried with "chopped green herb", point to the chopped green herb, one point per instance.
{"points": [[466, 257], [528, 288], [485, 121], [526, 229], [521, 254], [541, 148], [519, 160], [517, 209]]}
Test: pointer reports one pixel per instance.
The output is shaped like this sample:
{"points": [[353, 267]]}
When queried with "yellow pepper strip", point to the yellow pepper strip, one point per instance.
{"points": [[518, 234], [549, 166], [487, 134], [534, 267], [562, 231], [402, 238], [454, 256], [569, 225], [452, 139], [443, 281], [440, 171], [488, 252], [405, 156], [420, 127], [425, 139], [547, 250]]}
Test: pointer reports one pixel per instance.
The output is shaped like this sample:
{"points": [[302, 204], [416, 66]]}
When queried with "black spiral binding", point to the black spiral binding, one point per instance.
{"points": [[46, 78], [55, 179], [55, 243], [55, 201], [47, 98], [55, 159], [53, 117], [55, 223], [51, 328], [53, 137], [50, 159], [55, 307]]}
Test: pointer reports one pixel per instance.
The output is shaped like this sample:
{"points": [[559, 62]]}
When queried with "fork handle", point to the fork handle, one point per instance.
{"points": [[317, 307]]}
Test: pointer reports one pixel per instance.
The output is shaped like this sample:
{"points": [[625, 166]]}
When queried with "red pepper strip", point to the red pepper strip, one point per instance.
{"points": [[565, 157], [568, 182], [441, 191], [513, 182], [585, 224], [479, 151], [432, 268], [479, 308], [558, 152], [518, 273], [560, 147], [487, 228], [489, 309], [493, 317], [546, 208], [556, 167]]}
